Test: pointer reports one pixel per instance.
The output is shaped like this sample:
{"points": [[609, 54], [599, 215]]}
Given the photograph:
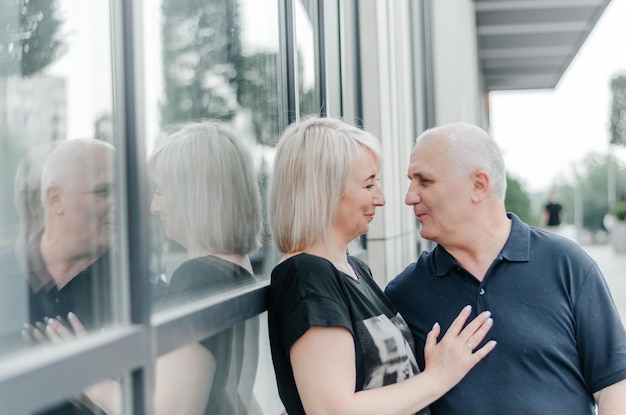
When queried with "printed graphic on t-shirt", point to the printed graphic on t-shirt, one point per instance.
{"points": [[388, 358]]}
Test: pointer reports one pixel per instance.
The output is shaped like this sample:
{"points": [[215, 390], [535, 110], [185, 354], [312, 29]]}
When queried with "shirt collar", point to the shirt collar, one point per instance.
{"points": [[516, 248], [38, 275]]}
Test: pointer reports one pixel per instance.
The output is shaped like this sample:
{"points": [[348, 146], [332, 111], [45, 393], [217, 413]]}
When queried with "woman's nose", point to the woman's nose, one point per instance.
{"points": [[154, 205]]}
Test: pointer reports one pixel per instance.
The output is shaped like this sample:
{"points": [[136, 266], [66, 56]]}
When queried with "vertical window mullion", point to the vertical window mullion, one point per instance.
{"points": [[128, 91]]}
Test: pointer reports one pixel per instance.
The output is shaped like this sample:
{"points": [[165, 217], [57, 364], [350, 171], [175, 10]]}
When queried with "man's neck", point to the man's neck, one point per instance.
{"points": [[63, 261], [482, 246]]}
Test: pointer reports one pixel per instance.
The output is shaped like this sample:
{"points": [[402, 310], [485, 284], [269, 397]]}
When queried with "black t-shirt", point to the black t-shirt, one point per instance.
{"points": [[554, 213], [88, 295], [306, 291], [202, 276]]}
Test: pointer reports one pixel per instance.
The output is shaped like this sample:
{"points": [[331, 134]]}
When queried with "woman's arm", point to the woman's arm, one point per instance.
{"points": [[612, 399], [184, 380], [183, 377], [324, 370]]}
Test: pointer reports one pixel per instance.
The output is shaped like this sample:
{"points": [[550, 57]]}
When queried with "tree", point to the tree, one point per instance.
{"points": [[518, 202], [618, 110], [258, 90], [30, 36], [594, 188], [201, 59], [30, 40]]}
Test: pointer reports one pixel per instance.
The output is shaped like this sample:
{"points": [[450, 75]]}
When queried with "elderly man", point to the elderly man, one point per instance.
{"points": [[561, 344], [65, 267], [68, 261]]}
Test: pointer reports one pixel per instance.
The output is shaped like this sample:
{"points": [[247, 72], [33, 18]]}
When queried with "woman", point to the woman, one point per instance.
{"points": [[206, 195], [337, 344]]}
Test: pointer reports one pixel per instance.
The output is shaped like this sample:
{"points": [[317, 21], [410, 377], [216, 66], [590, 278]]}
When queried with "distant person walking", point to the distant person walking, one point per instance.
{"points": [[551, 217]]}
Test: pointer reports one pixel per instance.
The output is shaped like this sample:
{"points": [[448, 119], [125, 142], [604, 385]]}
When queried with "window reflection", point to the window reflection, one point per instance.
{"points": [[306, 16], [57, 210], [206, 196], [219, 59], [215, 108]]}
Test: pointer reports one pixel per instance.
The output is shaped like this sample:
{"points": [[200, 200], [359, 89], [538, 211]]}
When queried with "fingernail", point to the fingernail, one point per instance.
{"points": [[435, 325], [487, 313], [489, 322], [467, 308], [71, 315]]}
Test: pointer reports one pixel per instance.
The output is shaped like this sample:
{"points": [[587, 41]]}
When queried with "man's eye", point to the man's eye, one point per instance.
{"points": [[103, 192]]}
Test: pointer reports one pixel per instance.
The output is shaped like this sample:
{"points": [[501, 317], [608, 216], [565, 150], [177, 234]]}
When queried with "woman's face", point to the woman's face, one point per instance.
{"points": [[164, 205], [358, 204]]}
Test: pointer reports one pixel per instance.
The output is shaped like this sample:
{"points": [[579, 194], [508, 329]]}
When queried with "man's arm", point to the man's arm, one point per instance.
{"points": [[612, 399]]}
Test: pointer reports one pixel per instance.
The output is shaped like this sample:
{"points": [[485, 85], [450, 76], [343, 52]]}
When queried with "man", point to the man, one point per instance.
{"points": [[65, 267], [551, 215], [561, 344]]}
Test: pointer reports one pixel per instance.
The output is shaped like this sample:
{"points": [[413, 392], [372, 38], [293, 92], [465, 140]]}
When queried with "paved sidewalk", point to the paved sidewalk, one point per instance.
{"points": [[613, 266]]}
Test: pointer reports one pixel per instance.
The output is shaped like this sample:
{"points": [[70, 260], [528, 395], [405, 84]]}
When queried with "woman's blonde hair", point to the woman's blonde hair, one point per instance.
{"points": [[313, 162], [210, 176]]}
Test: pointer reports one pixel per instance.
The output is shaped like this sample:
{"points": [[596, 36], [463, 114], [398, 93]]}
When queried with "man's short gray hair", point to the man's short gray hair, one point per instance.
{"points": [[472, 148]]}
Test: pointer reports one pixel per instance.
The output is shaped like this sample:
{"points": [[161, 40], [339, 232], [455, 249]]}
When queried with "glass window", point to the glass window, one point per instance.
{"points": [[59, 162], [214, 109], [306, 17]]}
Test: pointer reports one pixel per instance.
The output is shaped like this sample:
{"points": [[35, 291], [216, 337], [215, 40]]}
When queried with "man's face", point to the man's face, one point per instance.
{"points": [[88, 205], [438, 194]]}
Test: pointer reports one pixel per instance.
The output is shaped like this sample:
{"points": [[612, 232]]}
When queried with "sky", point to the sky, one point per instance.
{"points": [[544, 134]]}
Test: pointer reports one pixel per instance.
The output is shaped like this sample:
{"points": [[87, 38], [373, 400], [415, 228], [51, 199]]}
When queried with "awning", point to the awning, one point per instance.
{"points": [[528, 44]]}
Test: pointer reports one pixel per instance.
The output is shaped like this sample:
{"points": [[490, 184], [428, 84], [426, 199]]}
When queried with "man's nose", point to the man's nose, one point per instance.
{"points": [[412, 197]]}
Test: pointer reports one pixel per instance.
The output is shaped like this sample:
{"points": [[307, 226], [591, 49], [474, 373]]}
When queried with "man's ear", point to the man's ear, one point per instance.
{"points": [[481, 182], [53, 199]]}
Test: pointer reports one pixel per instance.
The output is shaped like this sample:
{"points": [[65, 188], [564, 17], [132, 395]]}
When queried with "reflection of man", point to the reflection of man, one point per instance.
{"points": [[68, 268], [64, 267], [561, 343], [66, 263]]}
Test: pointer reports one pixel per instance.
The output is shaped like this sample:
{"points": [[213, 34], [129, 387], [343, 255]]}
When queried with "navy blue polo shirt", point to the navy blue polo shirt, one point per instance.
{"points": [[560, 337]]}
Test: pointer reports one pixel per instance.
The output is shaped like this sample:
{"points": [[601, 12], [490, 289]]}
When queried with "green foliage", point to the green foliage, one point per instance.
{"points": [[201, 59], [30, 36], [207, 75], [593, 188], [618, 110], [518, 202], [620, 210]]}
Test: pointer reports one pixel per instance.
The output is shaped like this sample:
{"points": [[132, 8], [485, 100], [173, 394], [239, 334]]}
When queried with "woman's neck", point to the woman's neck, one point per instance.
{"points": [[337, 254]]}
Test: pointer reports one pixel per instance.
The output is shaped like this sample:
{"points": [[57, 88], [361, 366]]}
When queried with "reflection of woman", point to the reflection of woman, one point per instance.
{"points": [[337, 344], [206, 195], [28, 191]]}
